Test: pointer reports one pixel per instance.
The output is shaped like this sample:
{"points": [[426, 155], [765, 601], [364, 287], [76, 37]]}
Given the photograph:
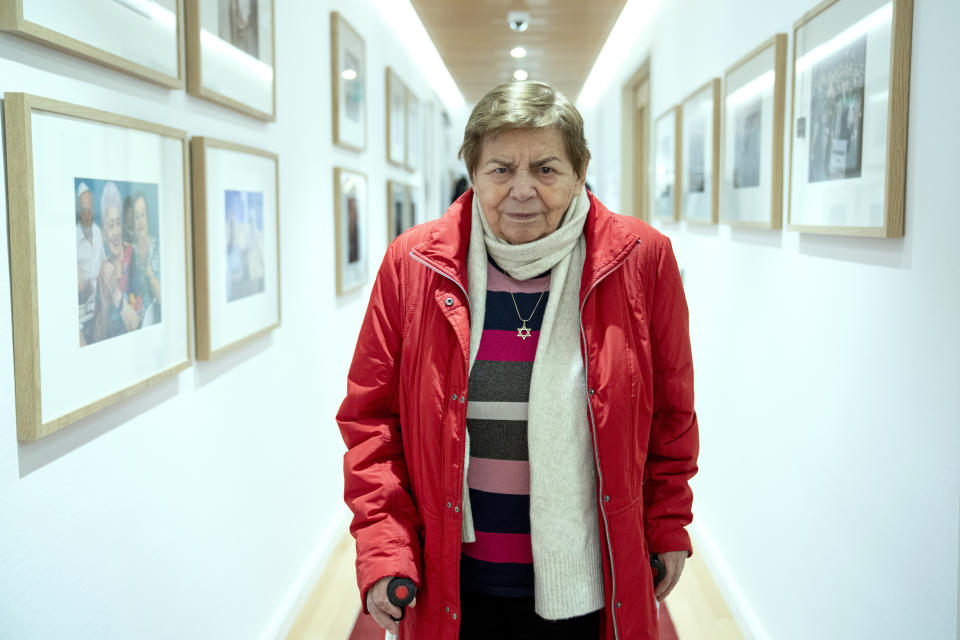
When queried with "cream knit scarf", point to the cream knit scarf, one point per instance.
{"points": [[568, 575]]}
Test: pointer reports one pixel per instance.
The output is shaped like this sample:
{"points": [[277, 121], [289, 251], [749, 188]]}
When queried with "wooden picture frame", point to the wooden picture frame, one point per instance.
{"points": [[848, 154], [134, 298], [350, 211], [701, 154], [398, 209], [396, 113], [413, 148], [752, 151], [348, 73], [61, 30], [667, 178], [236, 244], [228, 60]]}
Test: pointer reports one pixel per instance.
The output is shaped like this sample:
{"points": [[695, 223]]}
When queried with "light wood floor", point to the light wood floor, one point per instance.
{"points": [[696, 606]]}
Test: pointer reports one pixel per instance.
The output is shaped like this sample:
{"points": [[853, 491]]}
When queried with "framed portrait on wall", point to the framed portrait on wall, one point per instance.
{"points": [[754, 90], [701, 153], [414, 147], [140, 37], [413, 201], [350, 228], [851, 74], [348, 60], [99, 263], [230, 54], [396, 119], [666, 178], [398, 209], [236, 243]]}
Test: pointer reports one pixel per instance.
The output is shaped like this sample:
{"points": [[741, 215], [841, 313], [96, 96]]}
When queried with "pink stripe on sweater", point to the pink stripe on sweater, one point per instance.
{"points": [[506, 346], [500, 547], [499, 281], [499, 476]]}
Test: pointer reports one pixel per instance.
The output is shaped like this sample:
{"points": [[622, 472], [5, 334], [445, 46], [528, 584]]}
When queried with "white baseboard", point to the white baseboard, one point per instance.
{"points": [[298, 593], [738, 604]]}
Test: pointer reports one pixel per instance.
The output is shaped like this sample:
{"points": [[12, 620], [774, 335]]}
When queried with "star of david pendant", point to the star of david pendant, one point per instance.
{"points": [[523, 332]]}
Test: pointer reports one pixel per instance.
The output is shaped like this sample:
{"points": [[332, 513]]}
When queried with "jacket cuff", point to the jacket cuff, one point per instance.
{"points": [[663, 541]]}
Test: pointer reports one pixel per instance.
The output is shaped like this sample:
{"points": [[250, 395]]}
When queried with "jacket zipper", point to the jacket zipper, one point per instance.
{"points": [[461, 451], [596, 448]]}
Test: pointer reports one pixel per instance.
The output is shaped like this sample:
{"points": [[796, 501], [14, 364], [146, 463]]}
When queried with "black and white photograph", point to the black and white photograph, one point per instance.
{"points": [[748, 123], [665, 165], [695, 154], [836, 113], [239, 25], [118, 258]]}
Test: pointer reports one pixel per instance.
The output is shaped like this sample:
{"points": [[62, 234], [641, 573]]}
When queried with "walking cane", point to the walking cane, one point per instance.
{"points": [[400, 593]]}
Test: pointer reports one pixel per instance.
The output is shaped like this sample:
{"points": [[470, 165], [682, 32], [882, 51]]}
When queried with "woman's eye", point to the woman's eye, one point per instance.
{"points": [[500, 171], [546, 170]]}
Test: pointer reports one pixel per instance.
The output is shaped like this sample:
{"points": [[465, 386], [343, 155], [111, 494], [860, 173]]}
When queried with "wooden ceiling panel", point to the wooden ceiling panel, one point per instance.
{"points": [[474, 40]]}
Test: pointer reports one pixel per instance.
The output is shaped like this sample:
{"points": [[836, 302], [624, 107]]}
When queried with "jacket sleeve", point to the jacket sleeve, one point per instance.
{"points": [[674, 438], [376, 484]]}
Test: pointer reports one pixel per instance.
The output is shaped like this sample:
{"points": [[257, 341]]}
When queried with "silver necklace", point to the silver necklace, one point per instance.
{"points": [[523, 332]]}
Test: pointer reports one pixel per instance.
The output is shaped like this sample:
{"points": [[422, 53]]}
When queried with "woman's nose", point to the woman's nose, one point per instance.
{"points": [[523, 187]]}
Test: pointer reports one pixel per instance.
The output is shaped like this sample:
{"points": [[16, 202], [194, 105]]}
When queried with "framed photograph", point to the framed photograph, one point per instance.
{"points": [[754, 90], [396, 119], [101, 304], [666, 178], [848, 139], [398, 209], [350, 222], [230, 54], [413, 201], [414, 145], [236, 243], [701, 153], [348, 59], [141, 37]]}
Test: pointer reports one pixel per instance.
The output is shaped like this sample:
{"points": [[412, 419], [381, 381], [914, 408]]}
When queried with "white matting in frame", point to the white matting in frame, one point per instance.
{"points": [[849, 124], [666, 165], [414, 133], [238, 275], [753, 137], [396, 119], [99, 314], [141, 37], [349, 75], [350, 226], [231, 54], [701, 153]]}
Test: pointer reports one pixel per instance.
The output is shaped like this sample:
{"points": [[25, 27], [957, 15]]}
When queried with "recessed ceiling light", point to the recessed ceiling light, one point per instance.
{"points": [[518, 52], [349, 74], [519, 74]]}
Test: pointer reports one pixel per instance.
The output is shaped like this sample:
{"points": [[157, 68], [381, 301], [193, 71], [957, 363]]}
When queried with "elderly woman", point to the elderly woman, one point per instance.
{"points": [[147, 284], [115, 313], [519, 414]]}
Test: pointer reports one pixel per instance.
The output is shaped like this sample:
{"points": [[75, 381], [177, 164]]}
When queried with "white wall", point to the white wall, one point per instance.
{"points": [[204, 507], [828, 368]]}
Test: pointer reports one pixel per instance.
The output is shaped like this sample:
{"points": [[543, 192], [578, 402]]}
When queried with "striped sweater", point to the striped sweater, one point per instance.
{"points": [[500, 562]]}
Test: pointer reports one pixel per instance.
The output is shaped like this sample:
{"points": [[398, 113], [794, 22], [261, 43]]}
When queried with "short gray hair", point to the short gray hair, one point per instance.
{"points": [[110, 199], [524, 105]]}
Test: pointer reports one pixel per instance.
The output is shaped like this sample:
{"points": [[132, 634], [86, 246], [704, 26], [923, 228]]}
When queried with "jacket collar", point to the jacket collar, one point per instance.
{"points": [[608, 242]]}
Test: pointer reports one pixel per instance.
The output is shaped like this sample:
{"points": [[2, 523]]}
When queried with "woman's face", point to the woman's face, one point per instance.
{"points": [[525, 183], [113, 231], [140, 218]]}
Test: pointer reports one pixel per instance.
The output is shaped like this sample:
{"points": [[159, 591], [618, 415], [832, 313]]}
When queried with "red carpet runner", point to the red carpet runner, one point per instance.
{"points": [[367, 629]]}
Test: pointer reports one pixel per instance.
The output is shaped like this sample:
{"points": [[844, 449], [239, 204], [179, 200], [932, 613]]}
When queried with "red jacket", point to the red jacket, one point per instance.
{"points": [[404, 417]]}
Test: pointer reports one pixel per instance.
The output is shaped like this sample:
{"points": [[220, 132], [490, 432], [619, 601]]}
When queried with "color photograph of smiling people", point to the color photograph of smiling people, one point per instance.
{"points": [[520, 401], [118, 258]]}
